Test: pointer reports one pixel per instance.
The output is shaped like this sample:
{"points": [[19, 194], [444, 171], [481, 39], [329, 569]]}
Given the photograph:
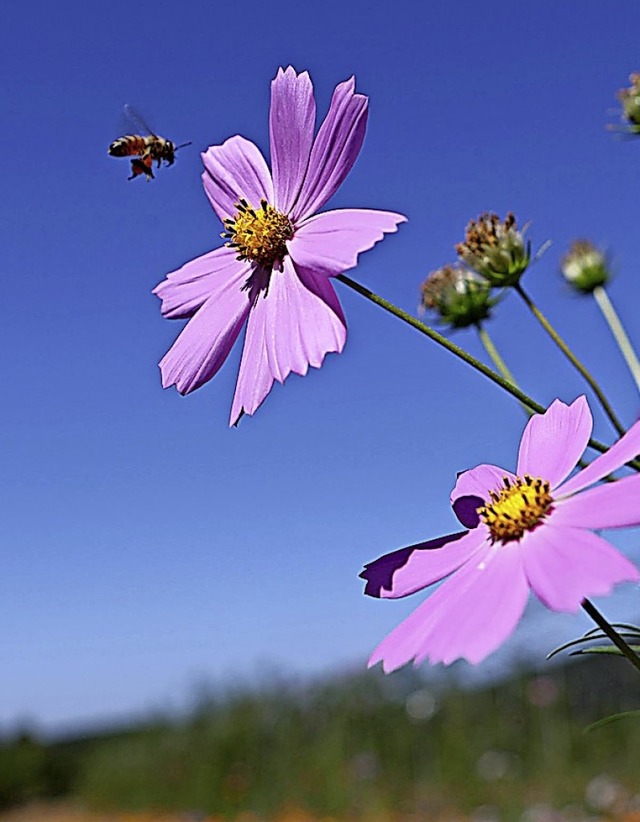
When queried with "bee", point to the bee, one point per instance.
{"points": [[144, 148]]}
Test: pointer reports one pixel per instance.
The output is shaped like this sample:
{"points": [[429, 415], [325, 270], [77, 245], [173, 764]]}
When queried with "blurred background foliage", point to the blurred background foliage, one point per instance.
{"points": [[356, 746]]}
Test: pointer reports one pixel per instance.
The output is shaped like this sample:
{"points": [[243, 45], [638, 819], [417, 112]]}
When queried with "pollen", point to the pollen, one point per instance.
{"points": [[516, 508], [258, 234]]}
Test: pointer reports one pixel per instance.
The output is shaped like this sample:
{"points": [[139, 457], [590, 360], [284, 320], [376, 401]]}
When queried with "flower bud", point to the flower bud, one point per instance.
{"points": [[630, 99], [457, 295], [584, 266], [496, 249]]}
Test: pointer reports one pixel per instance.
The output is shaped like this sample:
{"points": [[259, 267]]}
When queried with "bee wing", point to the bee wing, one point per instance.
{"points": [[136, 119]]}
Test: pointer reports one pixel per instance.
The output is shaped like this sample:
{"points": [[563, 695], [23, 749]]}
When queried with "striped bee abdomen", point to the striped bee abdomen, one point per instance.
{"points": [[128, 145]]}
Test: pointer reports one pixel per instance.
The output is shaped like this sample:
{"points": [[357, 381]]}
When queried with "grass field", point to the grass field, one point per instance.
{"points": [[351, 749], [73, 813]]}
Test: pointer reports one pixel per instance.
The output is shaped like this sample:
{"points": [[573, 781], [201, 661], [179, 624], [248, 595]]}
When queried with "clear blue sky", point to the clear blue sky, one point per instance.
{"points": [[145, 545]]}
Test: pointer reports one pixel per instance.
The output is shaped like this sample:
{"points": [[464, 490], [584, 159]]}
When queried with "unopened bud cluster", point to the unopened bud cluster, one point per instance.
{"points": [[630, 99], [457, 295], [496, 249], [585, 266]]}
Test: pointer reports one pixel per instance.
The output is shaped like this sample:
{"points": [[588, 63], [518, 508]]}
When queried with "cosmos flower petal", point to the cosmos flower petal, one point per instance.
{"points": [[410, 569], [308, 327], [560, 558], [553, 442], [292, 119], [254, 377], [627, 448], [472, 490], [565, 565], [335, 149], [294, 316], [205, 342], [210, 276], [323, 289], [468, 616], [479, 608], [404, 642], [614, 505], [329, 243], [232, 170]]}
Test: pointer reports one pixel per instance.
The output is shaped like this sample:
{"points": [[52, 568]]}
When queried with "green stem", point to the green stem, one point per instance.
{"points": [[544, 322], [613, 635], [497, 360], [492, 351], [462, 354], [613, 320], [500, 364]]}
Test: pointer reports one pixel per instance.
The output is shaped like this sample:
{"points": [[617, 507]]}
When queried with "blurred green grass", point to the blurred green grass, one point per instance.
{"points": [[359, 747]]}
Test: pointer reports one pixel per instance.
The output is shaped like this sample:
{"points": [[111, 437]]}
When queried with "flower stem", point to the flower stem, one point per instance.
{"points": [[611, 316], [500, 364], [613, 635], [497, 360], [544, 322], [463, 355]]}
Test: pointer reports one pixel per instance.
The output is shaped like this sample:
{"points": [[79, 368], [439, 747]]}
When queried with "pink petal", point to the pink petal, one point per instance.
{"points": [[476, 483], [565, 565], [335, 149], [410, 569], [627, 448], [404, 642], [208, 337], [468, 616], [232, 170], [614, 505], [480, 611], [329, 243], [185, 290], [292, 120], [553, 442], [322, 288], [290, 328]]}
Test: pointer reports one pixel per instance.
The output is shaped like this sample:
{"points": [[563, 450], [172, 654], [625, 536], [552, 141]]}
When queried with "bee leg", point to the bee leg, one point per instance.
{"points": [[141, 166]]}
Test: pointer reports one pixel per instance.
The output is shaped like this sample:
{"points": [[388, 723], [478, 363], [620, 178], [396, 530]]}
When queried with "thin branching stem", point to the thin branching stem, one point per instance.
{"points": [[544, 322], [617, 329], [462, 354], [497, 360]]}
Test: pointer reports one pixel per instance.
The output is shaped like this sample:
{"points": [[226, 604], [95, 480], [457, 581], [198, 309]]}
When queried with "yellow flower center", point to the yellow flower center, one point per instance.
{"points": [[516, 508], [260, 234]]}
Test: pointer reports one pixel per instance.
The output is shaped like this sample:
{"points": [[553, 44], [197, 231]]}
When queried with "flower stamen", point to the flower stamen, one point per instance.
{"points": [[259, 235], [516, 508]]}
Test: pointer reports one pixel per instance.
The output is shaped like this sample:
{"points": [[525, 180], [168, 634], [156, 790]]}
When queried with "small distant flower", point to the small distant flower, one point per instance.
{"points": [[585, 267], [274, 272], [496, 249], [630, 99], [458, 295], [532, 530]]}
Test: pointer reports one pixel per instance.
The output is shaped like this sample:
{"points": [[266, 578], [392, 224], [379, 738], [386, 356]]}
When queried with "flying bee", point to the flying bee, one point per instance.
{"points": [[144, 148]]}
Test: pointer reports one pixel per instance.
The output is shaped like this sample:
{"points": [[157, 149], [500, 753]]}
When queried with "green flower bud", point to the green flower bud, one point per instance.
{"points": [[496, 249], [457, 295], [630, 99], [585, 267]]}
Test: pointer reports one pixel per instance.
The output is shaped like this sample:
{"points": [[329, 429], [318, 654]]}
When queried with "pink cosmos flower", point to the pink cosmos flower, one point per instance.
{"points": [[528, 530], [274, 272]]}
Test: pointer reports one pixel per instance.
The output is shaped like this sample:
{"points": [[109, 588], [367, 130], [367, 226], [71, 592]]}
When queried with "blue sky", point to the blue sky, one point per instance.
{"points": [[146, 546]]}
